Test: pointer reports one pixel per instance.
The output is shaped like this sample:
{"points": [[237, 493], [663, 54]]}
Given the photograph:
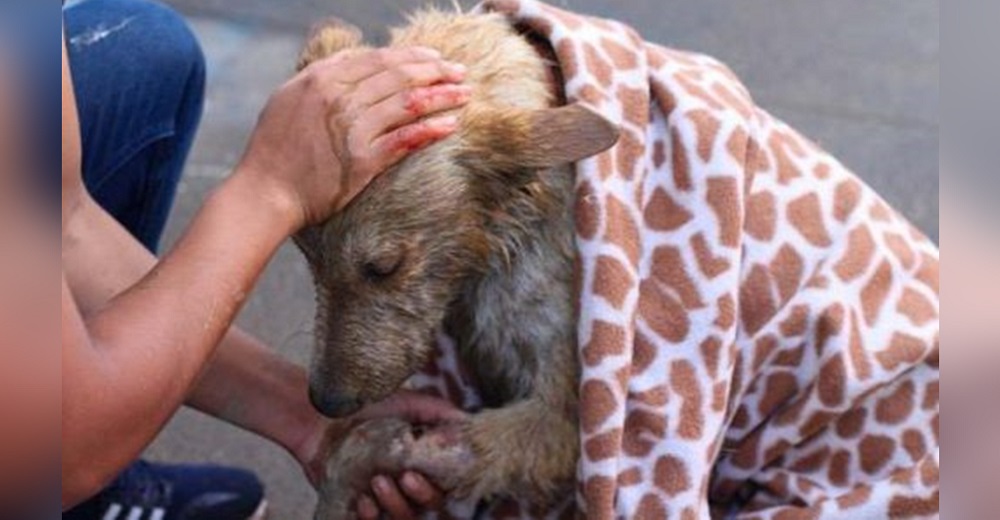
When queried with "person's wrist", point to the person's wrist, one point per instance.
{"points": [[315, 445], [250, 182]]}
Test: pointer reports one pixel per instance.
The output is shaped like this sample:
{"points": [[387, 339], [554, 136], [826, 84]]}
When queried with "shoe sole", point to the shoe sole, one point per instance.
{"points": [[261, 512]]}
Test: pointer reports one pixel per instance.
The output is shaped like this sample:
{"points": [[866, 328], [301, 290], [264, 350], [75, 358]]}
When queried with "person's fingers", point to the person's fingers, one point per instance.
{"points": [[408, 105], [414, 407], [419, 490], [335, 79], [385, 133], [392, 147], [366, 508], [349, 99], [391, 499], [405, 77], [354, 65]]}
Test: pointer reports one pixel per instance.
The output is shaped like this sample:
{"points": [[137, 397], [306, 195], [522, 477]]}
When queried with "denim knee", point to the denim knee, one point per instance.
{"points": [[162, 36], [139, 77], [180, 52]]}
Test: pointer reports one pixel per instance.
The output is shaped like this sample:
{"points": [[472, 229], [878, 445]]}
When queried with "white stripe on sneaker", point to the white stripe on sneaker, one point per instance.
{"points": [[261, 512], [112, 512], [135, 513], [158, 514]]}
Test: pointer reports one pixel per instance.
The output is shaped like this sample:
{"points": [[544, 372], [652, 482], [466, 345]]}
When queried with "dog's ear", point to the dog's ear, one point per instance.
{"points": [[518, 142], [328, 37]]}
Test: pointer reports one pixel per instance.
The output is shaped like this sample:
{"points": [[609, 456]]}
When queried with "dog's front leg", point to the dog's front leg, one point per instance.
{"points": [[527, 450]]}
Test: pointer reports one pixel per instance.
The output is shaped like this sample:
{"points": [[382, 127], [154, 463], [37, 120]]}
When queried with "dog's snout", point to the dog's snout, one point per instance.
{"points": [[333, 404]]}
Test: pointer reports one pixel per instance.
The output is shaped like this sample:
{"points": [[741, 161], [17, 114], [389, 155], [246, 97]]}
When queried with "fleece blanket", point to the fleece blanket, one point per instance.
{"points": [[758, 330]]}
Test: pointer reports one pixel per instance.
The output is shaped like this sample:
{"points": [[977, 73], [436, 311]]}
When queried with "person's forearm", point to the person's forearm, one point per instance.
{"points": [[149, 344], [29, 354], [245, 384], [254, 388]]}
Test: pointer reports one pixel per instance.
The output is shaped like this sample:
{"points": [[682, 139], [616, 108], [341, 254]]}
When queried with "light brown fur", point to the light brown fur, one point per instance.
{"points": [[474, 233]]}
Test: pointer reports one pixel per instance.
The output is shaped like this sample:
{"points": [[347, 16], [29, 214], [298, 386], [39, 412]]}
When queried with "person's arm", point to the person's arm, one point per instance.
{"points": [[29, 361], [246, 383], [72, 185], [134, 359], [133, 364], [29, 349]]}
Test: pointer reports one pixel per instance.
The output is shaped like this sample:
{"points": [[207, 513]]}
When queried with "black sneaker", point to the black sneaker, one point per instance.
{"points": [[147, 491]]}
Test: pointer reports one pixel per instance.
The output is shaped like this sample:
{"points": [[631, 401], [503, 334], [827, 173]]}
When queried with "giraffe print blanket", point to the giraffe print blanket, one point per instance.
{"points": [[758, 330]]}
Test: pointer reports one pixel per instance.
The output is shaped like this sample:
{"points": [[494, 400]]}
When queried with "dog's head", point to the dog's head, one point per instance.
{"points": [[388, 266]]}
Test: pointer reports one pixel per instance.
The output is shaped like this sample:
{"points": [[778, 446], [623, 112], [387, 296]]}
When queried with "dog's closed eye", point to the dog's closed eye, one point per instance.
{"points": [[378, 269]]}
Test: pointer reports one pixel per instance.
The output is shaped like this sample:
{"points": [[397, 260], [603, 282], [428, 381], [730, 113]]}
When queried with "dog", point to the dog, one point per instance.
{"points": [[476, 233]]}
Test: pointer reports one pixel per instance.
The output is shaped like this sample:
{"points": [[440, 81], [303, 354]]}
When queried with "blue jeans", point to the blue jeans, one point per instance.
{"points": [[139, 78]]}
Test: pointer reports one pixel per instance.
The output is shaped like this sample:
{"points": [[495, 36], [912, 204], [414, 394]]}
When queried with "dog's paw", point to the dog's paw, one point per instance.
{"points": [[442, 453], [389, 447], [373, 447]]}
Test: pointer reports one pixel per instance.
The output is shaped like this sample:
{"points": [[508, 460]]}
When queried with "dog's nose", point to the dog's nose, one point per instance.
{"points": [[332, 404]]}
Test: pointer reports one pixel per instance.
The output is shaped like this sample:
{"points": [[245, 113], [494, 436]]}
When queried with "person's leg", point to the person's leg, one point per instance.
{"points": [[139, 77]]}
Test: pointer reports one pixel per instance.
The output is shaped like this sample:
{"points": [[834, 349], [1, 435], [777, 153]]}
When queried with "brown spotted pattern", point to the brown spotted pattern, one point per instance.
{"points": [[752, 316]]}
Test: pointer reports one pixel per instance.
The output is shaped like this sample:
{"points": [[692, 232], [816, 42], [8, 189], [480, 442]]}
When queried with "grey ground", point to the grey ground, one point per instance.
{"points": [[859, 77]]}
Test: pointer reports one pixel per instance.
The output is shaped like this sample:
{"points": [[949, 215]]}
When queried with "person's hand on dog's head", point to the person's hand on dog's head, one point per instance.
{"points": [[327, 132]]}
